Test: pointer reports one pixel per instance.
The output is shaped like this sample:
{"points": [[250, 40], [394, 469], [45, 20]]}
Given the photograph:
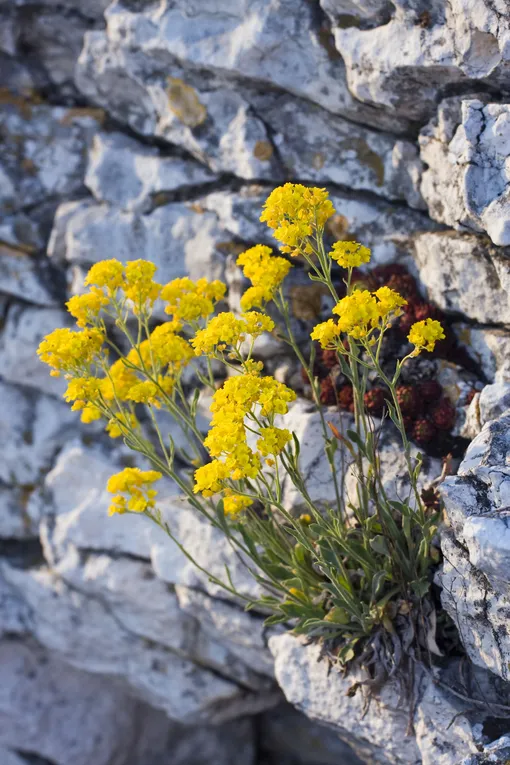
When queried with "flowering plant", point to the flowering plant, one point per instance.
{"points": [[355, 572]]}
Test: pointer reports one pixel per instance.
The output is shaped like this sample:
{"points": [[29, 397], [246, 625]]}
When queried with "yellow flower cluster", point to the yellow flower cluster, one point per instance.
{"points": [[233, 504], [295, 212], [425, 334], [226, 330], [86, 308], [70, 352], [189, 301], [169, 348], [363, 311], [134, 483], [326, 333], [120, 424], [107, 274], [138, 285], [350, 254], [232, 403], [273, 440], [265, 271]]}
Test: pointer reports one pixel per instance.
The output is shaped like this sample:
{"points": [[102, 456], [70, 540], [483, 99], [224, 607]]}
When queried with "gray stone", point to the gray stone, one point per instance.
{"points": [[175, 237], [405, 62], [24, 328], [50, 709], [44, 153], [474, 577], [125, 174], [465, 274], [279, 45], [466, 182], [444, 728], [489, 347], [320, 148], [15, 522], [25, 277], [34, 427]]}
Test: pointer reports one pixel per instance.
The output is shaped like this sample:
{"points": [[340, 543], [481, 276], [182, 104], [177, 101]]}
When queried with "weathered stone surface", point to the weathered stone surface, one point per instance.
{"points": [[34, 427], [15, 522], [44, 152], [404, 63], [174, 237], [490, 348], [127, 175], [24, 328], [444, 725], [475, 576], [276, 44], [465, 274], [466, 182], [69, 716], [321, 148], [285, 732], [23, 276]]}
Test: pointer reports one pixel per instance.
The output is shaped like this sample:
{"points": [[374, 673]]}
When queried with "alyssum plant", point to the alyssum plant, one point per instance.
{"points": [[355, 573]]}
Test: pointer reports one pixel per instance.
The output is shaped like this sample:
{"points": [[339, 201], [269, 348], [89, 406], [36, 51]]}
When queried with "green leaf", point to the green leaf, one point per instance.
{"points": [[378, 583], [275, 619], [420, 587], [380, 545]]}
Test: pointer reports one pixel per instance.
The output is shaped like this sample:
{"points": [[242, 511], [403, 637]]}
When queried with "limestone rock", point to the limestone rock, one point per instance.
{"points": [[64, 715], [127, 175], [43, 160], [465, 274], [445, 727], [321, 148], [280, 45], [474, 577], [34, 427], [25, 277], [24, 328], [15, 522], [490, 348], [176, 238], [438, 45], [466, 182]]}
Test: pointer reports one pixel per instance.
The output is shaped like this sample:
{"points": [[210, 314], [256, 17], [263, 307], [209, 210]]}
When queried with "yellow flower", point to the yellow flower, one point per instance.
{"points": [[389, 301], [106, 273], [425, 334], [350, 254], [274, 397], [85, 308], [224, 329], [119, 424], [134, 483], [273, 440], [169, 348], [145, 392], [358, 314], [257, 323], [209, 478], [326, 333], [224, 436], [189, 301], [265, 271], [83, 390], [242, 463], [138, 285], [119, 382], [90, 413], [234, 504], [68, 351], [294, 212]]}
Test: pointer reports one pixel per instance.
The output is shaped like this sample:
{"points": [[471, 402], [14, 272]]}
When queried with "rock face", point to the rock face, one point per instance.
{"points": [[134, 128]]}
